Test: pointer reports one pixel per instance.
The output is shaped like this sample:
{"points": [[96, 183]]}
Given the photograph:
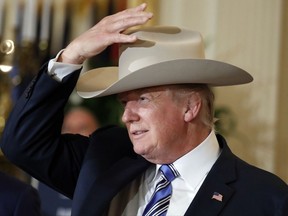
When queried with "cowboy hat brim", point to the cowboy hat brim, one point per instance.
{"points": [[104, 81]]}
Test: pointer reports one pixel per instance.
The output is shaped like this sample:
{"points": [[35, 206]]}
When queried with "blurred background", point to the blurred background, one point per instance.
{"points": [[249, 34]]}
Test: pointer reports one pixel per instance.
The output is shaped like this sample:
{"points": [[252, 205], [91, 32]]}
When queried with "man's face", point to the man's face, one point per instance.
{"points": [[155, 122], [79, 121]]}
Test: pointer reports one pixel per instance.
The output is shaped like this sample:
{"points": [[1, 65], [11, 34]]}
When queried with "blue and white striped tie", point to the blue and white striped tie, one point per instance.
{"points": [[159, 202]]}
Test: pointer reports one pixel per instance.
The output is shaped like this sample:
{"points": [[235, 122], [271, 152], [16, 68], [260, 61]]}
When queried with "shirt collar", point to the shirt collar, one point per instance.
{"points": [[194, 166]]}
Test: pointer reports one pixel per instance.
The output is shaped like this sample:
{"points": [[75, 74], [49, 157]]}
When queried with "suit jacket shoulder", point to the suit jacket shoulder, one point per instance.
{"points": [[234, 187]]}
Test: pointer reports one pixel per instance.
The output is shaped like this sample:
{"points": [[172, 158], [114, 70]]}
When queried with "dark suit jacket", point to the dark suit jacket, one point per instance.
{"points": [[17, 198], [94, 170]]}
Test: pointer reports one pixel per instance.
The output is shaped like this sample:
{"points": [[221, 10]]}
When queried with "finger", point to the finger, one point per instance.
{"points": [[141, 7], [127, 22], [122, 38], [139, 16], [138, 8], [131, 13]]}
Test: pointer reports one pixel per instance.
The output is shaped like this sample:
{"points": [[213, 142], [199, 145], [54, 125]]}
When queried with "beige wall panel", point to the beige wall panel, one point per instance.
{"points": [[282, 111]]}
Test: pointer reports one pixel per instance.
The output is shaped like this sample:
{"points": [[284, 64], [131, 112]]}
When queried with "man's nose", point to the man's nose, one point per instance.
{"points": [[130, 113]]}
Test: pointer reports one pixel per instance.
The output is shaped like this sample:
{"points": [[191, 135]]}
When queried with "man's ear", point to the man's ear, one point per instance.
{"points": [[193, 107]]}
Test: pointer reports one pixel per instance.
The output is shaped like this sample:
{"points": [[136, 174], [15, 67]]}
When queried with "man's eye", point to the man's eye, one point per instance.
{"points": [[143, 99]]}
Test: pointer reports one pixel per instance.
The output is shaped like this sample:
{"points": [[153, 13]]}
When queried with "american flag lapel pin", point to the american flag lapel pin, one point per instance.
{"points": [[217, 196]]}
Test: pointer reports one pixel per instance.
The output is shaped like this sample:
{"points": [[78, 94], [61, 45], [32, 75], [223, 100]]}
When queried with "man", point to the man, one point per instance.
{"points": [[17, 198], [163, 83], [79, 120]]}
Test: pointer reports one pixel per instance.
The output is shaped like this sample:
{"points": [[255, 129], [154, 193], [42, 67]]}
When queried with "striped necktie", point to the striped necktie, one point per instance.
{"points": [[159, 202]]}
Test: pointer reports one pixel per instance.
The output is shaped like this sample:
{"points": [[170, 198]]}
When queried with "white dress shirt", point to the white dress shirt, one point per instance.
{"points": [[59, 70]]}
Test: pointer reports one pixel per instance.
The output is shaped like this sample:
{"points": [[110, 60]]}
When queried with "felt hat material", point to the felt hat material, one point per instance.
{"points": [[162, 55]]}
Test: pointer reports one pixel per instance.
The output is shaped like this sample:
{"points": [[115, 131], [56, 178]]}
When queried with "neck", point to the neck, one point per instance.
{"points": [[191, 141]]}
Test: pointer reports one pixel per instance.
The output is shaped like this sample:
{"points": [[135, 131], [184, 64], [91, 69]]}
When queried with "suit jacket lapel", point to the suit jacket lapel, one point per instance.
{"points": [[222, 173]]}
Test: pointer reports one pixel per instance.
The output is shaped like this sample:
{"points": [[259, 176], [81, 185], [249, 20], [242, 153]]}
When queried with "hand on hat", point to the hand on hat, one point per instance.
{"points": [[106, 32]]}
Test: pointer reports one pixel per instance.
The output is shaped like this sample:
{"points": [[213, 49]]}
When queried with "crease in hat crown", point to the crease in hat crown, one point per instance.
{"points": [[161, 55], [159, 44]]}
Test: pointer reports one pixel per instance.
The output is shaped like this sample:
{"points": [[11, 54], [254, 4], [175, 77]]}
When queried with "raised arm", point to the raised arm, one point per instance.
{"points": [[32, 137]]}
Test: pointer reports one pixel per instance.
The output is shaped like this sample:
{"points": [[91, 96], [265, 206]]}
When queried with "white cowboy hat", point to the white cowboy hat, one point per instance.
{"points": [[162, 55]]}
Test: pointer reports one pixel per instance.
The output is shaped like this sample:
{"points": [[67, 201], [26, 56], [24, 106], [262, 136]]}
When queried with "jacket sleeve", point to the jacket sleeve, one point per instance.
{"points": [[32, 136]]}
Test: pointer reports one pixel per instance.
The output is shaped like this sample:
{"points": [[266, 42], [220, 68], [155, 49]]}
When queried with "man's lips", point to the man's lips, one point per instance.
{"points": [[138, 132]]}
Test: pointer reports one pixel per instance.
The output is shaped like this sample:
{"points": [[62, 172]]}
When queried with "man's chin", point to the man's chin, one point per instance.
{"points": [[138, 148], [139, 151]]}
